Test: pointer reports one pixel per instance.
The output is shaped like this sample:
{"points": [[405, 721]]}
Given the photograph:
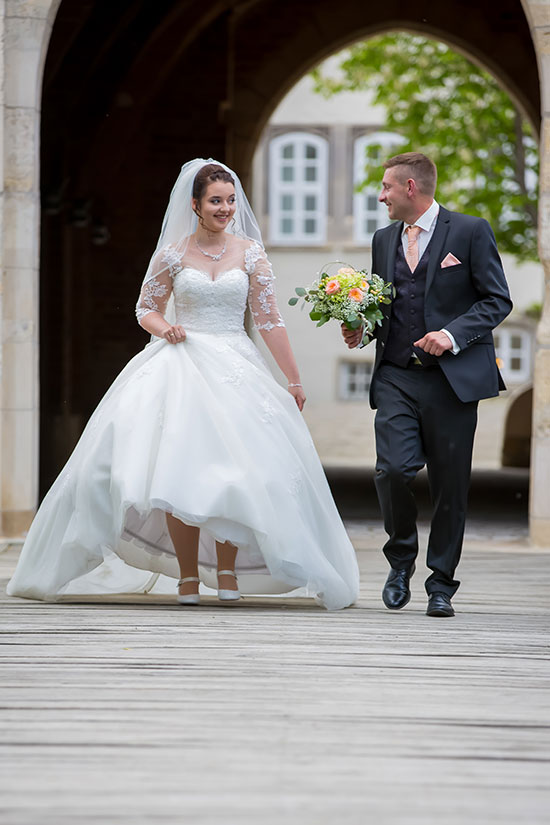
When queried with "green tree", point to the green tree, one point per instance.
{"points": [[455, 112]]}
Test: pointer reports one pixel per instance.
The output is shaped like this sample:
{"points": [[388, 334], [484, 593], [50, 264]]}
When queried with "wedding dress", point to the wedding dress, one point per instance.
{"points": [[201, 430]]}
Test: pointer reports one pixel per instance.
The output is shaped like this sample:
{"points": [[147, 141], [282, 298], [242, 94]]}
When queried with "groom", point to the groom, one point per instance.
{"points": [[435, 359]]}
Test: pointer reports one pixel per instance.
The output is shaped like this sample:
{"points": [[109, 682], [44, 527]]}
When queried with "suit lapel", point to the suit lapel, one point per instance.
{"points": [[438, 240], [392, 250]]}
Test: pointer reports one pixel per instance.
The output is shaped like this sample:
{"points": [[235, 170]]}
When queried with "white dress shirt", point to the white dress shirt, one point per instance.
{"points": [[427, 222]]}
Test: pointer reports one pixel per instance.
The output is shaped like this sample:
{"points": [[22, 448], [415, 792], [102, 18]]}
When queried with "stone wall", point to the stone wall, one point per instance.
{"points": [[538, 15], [26, 30]]}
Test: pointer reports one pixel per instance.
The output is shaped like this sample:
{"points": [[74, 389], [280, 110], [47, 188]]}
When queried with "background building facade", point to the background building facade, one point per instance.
{"points": [[306, 167]]}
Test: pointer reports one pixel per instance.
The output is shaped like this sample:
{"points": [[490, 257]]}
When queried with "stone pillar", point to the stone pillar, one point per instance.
{"points": [[539, 508], [538, 14], [26, 32]]}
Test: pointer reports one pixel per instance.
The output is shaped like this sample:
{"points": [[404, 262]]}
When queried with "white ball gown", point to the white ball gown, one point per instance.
{"points": [[201, 430]]}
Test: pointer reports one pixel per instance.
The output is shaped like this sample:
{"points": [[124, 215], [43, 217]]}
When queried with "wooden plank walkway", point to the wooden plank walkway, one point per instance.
{"points": [[279, 712]]}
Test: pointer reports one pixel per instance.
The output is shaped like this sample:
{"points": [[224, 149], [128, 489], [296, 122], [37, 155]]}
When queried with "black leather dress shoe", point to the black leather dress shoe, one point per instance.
{"points": [[396, 593], [439, 604]]}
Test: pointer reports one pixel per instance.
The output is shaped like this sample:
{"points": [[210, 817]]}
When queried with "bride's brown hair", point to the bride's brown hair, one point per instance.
{"points": [[211, 173]]}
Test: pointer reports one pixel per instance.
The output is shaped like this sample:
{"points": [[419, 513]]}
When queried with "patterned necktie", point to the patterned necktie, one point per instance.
{"points": [[411, 255]]}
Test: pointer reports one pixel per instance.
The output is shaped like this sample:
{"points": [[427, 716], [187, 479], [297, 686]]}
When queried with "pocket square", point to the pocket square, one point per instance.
{"points": [[449, 260]]}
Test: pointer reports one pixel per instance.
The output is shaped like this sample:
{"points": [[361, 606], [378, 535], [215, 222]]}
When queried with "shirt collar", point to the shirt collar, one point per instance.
{"points": [[426, 220]]}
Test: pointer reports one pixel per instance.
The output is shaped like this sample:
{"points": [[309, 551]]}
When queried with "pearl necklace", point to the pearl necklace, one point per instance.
{"points": [[208, 255]]}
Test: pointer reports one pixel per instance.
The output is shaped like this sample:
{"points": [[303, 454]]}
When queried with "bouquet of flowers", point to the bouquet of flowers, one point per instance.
{"points": [[350, 296]]}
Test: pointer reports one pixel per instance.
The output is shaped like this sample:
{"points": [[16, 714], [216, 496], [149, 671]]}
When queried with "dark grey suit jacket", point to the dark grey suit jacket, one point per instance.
{"points": [[469, 299]]}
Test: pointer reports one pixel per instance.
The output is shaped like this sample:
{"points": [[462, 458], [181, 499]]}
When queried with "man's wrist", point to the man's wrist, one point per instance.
{"points": [[455, 348]]}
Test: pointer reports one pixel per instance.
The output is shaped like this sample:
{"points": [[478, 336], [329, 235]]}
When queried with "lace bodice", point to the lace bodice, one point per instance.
{"points": [[215, 305]]}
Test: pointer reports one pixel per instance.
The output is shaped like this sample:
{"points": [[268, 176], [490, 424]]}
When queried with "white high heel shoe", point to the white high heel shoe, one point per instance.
{"points": [[189, 598], [228, 595]]}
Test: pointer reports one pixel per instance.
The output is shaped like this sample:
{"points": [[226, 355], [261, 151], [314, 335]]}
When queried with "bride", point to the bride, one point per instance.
{"points": [[196, 463]]}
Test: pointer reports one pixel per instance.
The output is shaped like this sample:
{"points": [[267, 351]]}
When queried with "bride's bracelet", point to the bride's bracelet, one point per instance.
{"points": [[294, 385]]}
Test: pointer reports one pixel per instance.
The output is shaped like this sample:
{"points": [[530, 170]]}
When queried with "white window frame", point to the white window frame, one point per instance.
{"points": [[298, 189], [361, 214], [347, 372], [505, 352]]}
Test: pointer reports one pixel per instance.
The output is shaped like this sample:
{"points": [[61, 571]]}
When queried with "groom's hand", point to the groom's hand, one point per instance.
{"points": [[434, 343], [352, 337]]}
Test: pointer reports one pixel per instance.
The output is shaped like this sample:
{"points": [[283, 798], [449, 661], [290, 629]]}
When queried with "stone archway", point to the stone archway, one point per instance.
{"points": [[516, 443], [129, 92]]}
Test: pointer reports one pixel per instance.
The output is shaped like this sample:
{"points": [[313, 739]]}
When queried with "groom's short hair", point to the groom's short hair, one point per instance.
{"points": [[417, 166]]}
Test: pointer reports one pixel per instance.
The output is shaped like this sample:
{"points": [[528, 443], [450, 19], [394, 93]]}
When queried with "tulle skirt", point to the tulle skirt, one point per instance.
{"points": [[203, 431]]}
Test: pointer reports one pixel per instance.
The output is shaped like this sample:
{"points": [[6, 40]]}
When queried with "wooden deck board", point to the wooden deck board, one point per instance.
{"points": [[138, 711]]}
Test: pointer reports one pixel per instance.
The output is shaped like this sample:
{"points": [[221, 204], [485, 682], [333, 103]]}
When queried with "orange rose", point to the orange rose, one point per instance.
{"points": [[356, 295], [332, 287], [364, 284]]}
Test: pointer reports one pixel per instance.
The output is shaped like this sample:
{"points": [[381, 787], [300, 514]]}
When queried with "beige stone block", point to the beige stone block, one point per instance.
{"points": [[2, 63], [21, 161], [541, 397], [538, 13], [543, 328], [31, 8], [540, 478], [21, 229], [18, 331], [544, 226], [19, 373], [541, 38], [539, 532], [19, 460], [25, 47], [544, 181], [15, 523], [20, 294], [2, 143], [544, 71]]}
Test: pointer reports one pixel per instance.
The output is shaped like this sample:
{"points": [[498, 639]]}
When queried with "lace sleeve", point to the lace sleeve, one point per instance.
{"points": [[157, 289], [261, 293]]}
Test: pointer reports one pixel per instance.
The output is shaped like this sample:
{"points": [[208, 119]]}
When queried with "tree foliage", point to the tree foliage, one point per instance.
{"points": [[455, 112]]}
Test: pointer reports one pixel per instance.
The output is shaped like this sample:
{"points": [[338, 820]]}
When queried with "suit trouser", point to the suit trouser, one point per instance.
{"points": [[420, 421]]}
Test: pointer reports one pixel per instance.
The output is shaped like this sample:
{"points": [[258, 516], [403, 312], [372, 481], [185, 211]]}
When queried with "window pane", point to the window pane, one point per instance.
{"points": [[288, 150], [311, 173], [372, 203], [311, 151], [355, 380], [310, 226], [372, 226], [310, 203], [287, 173], [287, 203], [515, 364], [287, 226], [516, 342]]}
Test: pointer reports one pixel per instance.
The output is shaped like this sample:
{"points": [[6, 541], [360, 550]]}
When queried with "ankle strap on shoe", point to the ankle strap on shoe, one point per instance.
{"points": [[227, 573], [188, 579]]}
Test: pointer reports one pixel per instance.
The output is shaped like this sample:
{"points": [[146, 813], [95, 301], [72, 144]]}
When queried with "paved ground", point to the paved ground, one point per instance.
{"points": [[279, 712]]}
